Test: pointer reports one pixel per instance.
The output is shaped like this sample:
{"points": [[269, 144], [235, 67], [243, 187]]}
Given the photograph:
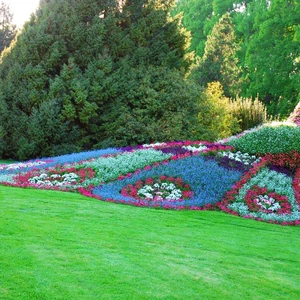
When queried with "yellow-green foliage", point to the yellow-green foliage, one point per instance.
{"points": [[218, 118], [249, 113]]}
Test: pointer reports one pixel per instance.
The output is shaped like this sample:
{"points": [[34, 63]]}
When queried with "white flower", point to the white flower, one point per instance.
{"points": [[195, 148], [245, 158], [161, 191], [55, 176], [153, 145]]}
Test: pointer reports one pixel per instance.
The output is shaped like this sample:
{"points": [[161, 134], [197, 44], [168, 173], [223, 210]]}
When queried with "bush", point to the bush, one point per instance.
{"points": [[249, 113], [269, 140], [216, 116]]}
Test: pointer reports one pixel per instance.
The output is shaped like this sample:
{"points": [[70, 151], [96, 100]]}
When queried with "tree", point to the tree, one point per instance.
{"points": [[72, 78], [219, 62], [216, 115], [152, 104], [7, 29], [200, 16], [274, 73]]}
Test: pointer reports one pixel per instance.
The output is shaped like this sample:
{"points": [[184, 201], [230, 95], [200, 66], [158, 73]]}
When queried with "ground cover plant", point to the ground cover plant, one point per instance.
{"points": [[269, 139], [187, 175]]}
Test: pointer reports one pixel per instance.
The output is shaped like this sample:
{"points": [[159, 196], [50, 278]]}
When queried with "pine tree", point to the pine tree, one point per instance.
{"points": [[47, 64], [219, 62], [72, 78]]}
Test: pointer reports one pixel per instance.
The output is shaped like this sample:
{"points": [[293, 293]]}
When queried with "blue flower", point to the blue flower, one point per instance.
{"points": [[207, 179]]}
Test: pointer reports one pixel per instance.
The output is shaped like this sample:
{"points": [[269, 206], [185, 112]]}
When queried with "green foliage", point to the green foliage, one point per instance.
{"points": [[111, 80], [268, 38], [274, 73], [200, 16], [151, 104], [7, 29], [110, 168], [217, 115], [269, 139], [249, 113], [219, 62]]}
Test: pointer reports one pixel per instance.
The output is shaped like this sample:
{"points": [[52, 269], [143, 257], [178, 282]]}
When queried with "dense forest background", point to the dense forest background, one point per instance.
{"points": [[84, 74], [252, 47]]}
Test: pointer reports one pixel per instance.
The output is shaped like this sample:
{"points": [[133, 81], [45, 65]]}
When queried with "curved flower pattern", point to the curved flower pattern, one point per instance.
{"points": [[59, 178], [207, 180], [265, 195], [193, 175], [159, 189], [262, 200]]}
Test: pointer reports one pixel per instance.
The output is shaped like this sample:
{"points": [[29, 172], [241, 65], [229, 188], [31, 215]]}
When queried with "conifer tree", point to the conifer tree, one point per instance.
{"points": [[80, 67], [219, 62]]}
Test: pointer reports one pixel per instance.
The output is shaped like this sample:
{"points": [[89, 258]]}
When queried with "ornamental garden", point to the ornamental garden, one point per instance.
{"points": [[254, 175]]}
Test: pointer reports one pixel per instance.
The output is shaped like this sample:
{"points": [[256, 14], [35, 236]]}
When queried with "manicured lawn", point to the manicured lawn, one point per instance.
{"points": [[56, 245]]}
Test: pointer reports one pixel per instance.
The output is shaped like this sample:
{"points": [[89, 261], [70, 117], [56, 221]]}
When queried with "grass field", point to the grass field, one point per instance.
{"points": [[57, 245]]}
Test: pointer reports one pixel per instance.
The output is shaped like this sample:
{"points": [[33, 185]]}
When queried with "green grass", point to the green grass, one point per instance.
{"points": [[56, 245]]}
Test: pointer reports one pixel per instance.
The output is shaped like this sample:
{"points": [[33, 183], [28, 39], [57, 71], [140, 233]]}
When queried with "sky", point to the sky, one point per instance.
{"points": [[21, 10]]}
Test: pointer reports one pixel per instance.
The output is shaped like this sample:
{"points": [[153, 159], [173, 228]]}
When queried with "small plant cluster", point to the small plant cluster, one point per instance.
{"points": [[249, 113], [55, 178], [23, 165], [195, 148], [244, 158], [290, 159], [262, 200], [158, 189]]}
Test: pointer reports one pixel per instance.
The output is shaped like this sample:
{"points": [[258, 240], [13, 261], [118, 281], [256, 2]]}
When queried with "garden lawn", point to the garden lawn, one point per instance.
{"points": [[57, 245]]}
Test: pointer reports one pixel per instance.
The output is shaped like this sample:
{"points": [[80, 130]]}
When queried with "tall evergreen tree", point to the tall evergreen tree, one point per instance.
{"points": [[73, 78], [200, 16], [219, 62]]}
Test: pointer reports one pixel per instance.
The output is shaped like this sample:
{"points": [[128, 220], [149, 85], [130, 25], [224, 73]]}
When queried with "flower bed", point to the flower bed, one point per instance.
{"points": [[265, 195], [177, 175], [208, 182], [59, 178], [158, 189], [261, 200]]}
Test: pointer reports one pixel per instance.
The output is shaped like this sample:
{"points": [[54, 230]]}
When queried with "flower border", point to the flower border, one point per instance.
{"points": [[230, 196]]}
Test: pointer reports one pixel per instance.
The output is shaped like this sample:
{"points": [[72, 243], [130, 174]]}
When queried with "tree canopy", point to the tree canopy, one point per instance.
{"points": [[268, 53], [90, 73]]}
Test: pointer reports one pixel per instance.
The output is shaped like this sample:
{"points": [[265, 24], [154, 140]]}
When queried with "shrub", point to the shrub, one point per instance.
{"points": [[218, 119], [249, 113], [269, 139]]}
